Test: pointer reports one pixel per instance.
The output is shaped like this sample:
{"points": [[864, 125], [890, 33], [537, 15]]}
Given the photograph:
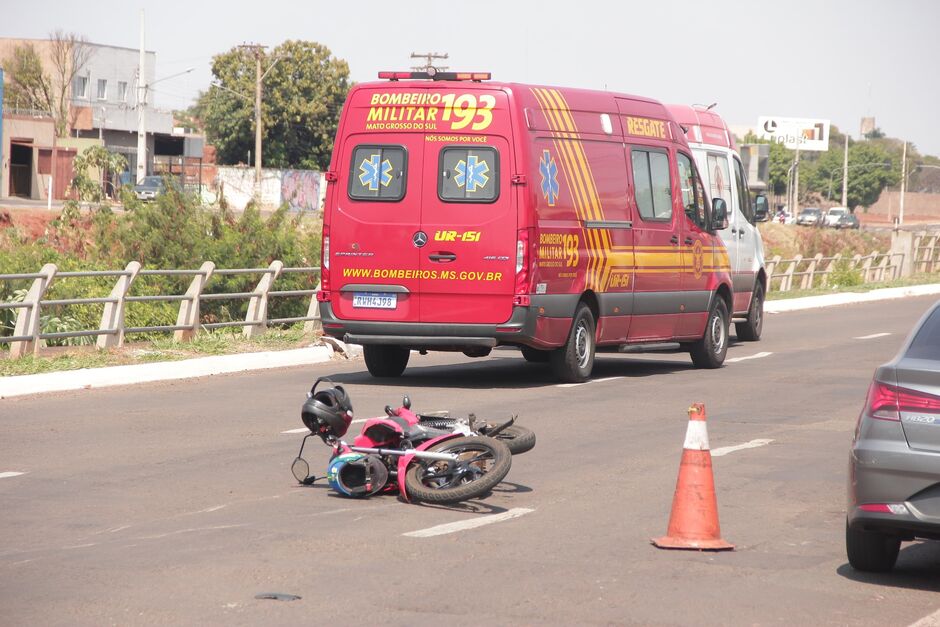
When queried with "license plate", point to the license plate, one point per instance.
{"points": [[374, 300]]}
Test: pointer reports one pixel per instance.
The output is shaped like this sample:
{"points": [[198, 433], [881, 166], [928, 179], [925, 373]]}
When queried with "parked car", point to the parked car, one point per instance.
{"points": [[848, 221], [833, 215], [894, 466], [811, 216], [152, 186]]}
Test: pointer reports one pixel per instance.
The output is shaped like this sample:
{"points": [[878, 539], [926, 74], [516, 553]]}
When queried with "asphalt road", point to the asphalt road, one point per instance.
{"points": [[173, 503]]}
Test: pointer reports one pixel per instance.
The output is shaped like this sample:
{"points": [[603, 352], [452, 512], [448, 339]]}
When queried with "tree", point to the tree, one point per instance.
{"points": [[98, 157], [302, 96], [780, 160], [47, 89]]}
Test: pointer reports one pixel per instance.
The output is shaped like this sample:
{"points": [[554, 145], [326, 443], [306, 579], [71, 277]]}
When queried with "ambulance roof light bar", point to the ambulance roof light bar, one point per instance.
{"points": [[437, 76]]}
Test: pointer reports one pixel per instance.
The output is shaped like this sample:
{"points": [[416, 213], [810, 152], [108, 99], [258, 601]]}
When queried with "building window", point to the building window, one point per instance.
{"points": [[80, 87], [102, 89], [122, 91]]}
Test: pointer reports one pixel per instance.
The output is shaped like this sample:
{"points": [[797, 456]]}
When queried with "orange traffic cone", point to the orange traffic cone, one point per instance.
{"points": [[693, 523]]}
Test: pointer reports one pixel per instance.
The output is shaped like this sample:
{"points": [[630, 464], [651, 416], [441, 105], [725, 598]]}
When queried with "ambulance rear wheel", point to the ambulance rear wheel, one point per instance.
{"points": [[535, 356], [750, 329], [385, 361], [573, 362], [710, 351]]}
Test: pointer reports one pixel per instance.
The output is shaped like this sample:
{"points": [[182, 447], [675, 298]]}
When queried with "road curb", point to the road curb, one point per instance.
{"points": [[89, 378], [849, 298]]}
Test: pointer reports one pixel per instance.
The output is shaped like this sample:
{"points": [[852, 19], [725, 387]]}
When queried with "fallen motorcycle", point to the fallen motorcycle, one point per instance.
{"points": [[397, 452]]}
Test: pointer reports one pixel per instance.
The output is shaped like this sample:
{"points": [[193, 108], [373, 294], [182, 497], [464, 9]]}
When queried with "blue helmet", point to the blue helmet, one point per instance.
{"points": [[356, 474]]}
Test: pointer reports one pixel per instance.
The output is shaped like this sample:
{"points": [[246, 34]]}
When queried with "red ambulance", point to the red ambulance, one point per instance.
{"points": [[463, 214]]}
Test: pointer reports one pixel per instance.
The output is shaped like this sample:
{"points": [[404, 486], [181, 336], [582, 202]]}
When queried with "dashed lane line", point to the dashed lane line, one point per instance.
{"points": [[755, 356], [7, 475], [472, 523], [574, 385], [306, 430], [724, 450], [933, 620], [872, 336]]}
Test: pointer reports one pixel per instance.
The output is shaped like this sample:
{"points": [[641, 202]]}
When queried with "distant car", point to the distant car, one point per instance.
{"points": [[151, 187], [811, 216], [894, 466], [848, 221], [833, 215]]}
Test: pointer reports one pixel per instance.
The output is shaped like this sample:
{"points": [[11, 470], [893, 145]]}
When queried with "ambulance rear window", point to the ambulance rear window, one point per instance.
{"points": [[377, 172], [468, 174]]}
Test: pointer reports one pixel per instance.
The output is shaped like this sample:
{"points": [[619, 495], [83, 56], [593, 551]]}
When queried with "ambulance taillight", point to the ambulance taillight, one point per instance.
{"points": [[324, 294], [521, 296]]}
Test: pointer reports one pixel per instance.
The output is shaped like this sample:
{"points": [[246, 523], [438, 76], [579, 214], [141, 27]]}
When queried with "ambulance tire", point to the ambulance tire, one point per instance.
{"points": [[710, 351], [750, 329], [385, 361], [535, 356], [573, 362]]}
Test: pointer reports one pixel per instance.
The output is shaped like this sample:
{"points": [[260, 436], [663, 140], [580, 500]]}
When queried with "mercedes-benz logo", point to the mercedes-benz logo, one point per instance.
{"points": [[419, 239]]}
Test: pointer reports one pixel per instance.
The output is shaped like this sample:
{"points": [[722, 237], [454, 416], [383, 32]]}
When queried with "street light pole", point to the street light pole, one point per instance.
{"points": [[141, 108], [903, 181], [845, 175]]}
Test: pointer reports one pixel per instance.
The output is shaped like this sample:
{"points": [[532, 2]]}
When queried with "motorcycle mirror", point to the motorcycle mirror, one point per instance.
{"points": [[301, 469], [406, 402]]}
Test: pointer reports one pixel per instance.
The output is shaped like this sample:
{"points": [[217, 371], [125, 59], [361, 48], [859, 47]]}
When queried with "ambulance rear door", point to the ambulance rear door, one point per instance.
{"points": [[373, 225], [468, 214]]}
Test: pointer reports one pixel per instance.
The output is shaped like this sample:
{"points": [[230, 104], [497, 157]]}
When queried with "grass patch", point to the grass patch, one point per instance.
{"points": [[219, 342]]}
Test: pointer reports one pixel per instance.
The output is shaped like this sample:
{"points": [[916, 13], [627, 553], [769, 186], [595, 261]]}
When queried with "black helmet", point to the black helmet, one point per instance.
{"points": [[327, 412]]}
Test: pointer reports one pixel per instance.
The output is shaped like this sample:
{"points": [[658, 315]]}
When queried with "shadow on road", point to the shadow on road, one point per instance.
{"points": [[918, 568], [501, 372]]}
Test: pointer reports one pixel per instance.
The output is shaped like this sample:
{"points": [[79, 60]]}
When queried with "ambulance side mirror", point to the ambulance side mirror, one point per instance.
{"points": [[719, 214]]}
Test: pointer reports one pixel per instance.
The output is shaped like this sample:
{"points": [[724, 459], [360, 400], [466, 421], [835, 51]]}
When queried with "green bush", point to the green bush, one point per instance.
{"points": [[843, 275], [174, 232]]}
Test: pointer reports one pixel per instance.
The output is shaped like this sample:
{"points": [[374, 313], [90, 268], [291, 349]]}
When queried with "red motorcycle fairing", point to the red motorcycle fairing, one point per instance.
{"points": [[404, 460]]}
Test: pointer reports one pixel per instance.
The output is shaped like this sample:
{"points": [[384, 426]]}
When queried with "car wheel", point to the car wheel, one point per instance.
{"points": [[710, 350], [750, 329], [534, 355], [871, 551], [573, 362], [385, 361]]}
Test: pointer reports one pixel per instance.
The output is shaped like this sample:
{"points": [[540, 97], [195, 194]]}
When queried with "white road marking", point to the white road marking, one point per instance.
{"points": [[7, 475], [724, 450], [872, 336], [932, 620], [755, 356], [573, 385], [472, 523], [306, 430]]}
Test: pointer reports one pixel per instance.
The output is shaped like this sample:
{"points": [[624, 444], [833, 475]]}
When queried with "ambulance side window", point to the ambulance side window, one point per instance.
{"points": [[378, 172], [651, 184], [744, 197], [693, 192], [468, 174]]}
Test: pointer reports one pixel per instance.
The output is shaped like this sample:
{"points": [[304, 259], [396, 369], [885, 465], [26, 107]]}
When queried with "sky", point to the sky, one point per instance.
{"points": [[836, 60]]}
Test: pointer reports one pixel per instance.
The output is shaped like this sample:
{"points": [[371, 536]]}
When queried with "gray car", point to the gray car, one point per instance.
{"points": [[894, 467]]}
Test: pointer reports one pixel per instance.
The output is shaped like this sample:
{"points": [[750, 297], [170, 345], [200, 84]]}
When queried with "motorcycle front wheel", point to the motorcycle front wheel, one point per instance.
{"points": [[482, 463]]}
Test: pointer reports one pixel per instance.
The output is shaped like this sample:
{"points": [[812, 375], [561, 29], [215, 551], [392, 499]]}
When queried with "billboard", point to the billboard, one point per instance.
{"points": [[801, 133]]}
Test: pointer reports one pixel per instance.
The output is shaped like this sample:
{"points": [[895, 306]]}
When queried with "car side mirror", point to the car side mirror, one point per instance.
{"points": [[760, 208], [719, 214]]}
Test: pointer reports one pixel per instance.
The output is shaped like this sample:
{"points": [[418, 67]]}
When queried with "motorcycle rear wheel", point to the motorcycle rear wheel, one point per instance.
{"points": [[483, 463]]}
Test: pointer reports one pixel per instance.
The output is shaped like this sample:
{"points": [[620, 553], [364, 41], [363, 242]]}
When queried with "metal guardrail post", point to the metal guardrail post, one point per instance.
{"points": [[771, 268], [831, 268], [866, 267], [27, 318], [787, 283], [258, 305], [189, 308], [809, 278], [313, 311], [112, 318]]}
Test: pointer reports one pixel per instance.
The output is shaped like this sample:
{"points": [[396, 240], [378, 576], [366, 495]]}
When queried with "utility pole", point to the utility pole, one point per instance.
{"points": [[257, 50], [796, 184], [903, 182], [429, 61], [845, 175], [141, 105]]}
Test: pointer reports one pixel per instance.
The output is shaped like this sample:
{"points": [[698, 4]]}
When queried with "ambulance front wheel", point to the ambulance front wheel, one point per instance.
{"points": [[385, 361], [573, 362]]}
